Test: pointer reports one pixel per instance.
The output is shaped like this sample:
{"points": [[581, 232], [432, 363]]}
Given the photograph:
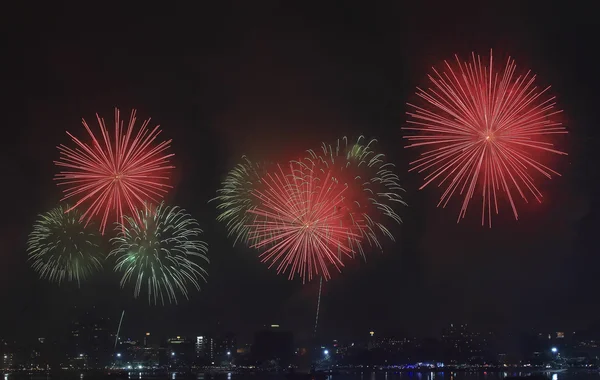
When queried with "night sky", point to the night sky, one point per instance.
{"points": [[269, 81]]}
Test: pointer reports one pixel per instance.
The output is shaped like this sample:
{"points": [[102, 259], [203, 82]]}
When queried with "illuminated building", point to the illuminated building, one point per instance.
{"points": [[7, 360], [181, 352], [225, 346], [92, 336]]}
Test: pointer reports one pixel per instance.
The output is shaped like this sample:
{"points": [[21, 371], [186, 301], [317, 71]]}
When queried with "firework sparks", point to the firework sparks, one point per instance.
{"points": [[61, 248], [117, 173], [482, 130], [235, 198], [158, 253], [298, 220], [373, 187]]}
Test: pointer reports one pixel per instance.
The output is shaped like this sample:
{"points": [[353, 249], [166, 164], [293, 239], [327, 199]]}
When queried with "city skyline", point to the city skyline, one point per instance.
{"points": [[92, 345]]}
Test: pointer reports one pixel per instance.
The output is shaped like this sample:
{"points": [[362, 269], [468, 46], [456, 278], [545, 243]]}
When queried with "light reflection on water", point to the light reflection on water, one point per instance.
{"points": [[567, 375]]}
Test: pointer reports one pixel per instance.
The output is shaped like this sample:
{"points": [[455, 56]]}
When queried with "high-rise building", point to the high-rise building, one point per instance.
{"points": [[225, 346], [462, 345], [181, 352], [273, 344], [91, 337], [205, 349], [7, 361]]}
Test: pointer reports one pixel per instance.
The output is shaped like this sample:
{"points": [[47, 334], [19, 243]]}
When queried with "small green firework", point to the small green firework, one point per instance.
{"points": [[60, 247], [158, 253]]}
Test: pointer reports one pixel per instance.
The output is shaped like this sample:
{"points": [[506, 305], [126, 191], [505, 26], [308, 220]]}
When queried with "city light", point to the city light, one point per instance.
{"points": [[80, 355], [119, 355], [554, 350], [326, 352], [172, 354], [228, 353]]}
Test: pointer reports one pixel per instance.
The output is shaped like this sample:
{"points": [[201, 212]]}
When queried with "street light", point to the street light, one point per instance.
{"points": [[119, 355], [172, 354], [326, 352], [554, 350], [228, 353]]}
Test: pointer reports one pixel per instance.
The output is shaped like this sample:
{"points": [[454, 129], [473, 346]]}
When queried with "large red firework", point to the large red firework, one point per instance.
{"points": [[126, 170], [300, 219], [484, 131]]}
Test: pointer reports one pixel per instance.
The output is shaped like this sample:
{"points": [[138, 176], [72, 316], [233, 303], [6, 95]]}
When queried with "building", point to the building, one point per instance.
{"points": [[461, 345], [92, 337], [205, 350], [225, 347], [273, 344], [8, 361], [181, 352]]}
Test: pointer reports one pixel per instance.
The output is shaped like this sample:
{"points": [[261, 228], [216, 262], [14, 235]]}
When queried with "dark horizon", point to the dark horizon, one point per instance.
{"points": [[270, 81]]}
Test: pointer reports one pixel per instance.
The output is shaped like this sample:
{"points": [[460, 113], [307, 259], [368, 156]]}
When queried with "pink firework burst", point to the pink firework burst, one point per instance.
{"points": [[300, 221], [483, 131], [122, 171]]}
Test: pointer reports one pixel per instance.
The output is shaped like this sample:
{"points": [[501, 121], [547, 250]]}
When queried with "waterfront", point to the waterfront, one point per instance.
{"points": [[565, 375]]}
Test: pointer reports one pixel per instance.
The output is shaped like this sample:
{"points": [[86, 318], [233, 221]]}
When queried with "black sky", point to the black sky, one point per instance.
{"points": [[271, 80]]}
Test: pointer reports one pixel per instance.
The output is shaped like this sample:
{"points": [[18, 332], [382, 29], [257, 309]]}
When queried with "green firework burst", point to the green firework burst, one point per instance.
{"points": [[158, 254], [60, 247], [235, 198], [376, 190]]}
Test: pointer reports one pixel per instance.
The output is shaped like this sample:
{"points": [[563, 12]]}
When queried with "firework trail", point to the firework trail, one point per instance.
{"points": [[482, 130], [115, 172], [373, 194], [298, 221], [60, 248], [159, 253]]}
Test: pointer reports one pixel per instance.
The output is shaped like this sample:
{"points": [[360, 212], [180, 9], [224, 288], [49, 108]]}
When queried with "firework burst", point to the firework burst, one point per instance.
{"points": [[235, 198], [60, 248], [159, 252], [298, 221], [115, 173], [373, 194], [482, 130]]}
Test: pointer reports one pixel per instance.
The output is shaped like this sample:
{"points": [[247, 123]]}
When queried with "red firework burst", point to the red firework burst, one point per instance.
{"points": [[483, 130], [125, 171], [299, 219]]}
